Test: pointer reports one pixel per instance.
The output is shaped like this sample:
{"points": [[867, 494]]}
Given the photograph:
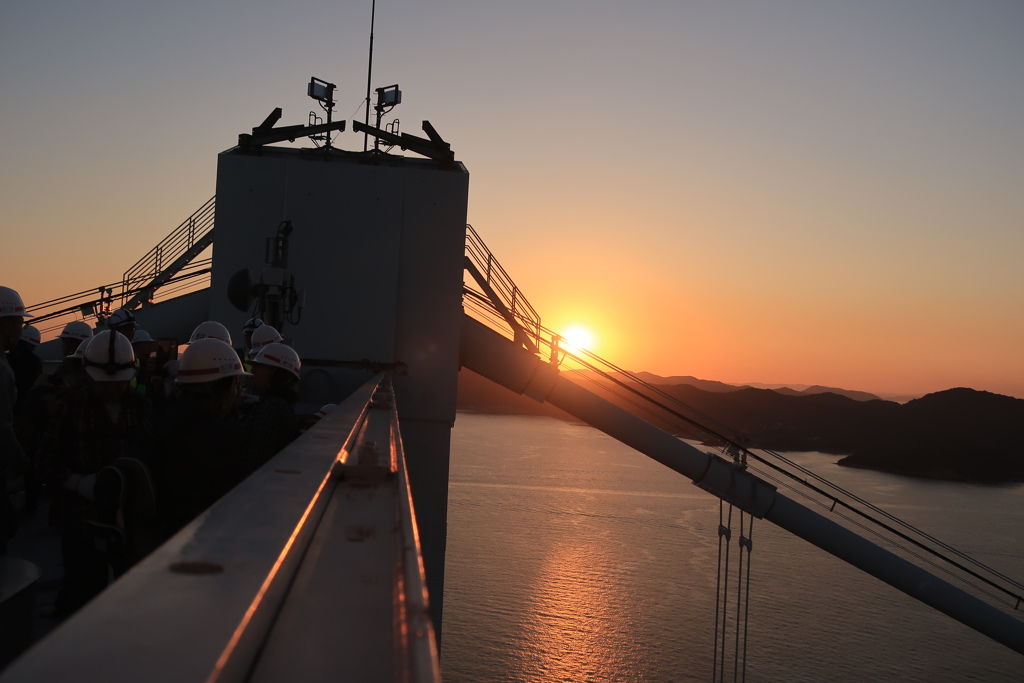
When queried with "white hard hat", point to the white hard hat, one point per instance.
{"points": [[251, 324], [31, 334], [109, 357], [279, 355], [211, 329], [262, 336], [141, 336], [80, 351], [76, 329], [324, 409], [11, 304], [207, 360], [122, 317]]}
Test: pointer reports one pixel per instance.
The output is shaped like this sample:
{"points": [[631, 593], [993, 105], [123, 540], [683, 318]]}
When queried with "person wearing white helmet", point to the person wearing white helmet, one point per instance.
{"points": [[251, 325], [70, 372], [208, 360], [12, 317], [12, 455], [211, 328], [28, 369], [263, 335], [30, 334], [307, 421], [272, 423], [142, 345], [122, 320], [27, 366], [99, 421], [109, 358], [199, 454], [73, 334], [45, 397], [141, 337]]}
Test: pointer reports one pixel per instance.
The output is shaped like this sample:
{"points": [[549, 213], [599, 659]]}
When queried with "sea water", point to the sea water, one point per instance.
{"points": [[572, 557]]}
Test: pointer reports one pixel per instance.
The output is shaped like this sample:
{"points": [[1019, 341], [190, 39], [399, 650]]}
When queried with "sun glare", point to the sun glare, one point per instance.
{"points": [[579, 337]]}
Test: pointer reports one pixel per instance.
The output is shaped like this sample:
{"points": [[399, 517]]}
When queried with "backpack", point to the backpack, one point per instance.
{"points": [[123, 527]]}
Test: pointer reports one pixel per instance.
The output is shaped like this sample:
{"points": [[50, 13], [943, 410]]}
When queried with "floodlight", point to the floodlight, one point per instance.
{"points": [[321, 90], [389, 96]]}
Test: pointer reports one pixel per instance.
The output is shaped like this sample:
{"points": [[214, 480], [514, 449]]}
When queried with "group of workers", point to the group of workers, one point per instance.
{"points": [[178, 434]]}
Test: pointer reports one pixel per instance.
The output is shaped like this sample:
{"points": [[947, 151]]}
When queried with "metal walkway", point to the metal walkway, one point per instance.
{"points": [[309, 567]]}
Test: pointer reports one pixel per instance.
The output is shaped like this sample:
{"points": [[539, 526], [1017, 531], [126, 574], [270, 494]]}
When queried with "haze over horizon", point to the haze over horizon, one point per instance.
{"points": [[787, 192]]}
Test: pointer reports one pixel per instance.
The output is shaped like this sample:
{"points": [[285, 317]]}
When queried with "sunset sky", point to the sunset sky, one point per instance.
{"points": [[753, 191]]}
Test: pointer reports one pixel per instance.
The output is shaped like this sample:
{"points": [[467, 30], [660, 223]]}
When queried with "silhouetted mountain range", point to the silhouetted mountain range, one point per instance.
{"points": [[958, 434], [713, 385]]}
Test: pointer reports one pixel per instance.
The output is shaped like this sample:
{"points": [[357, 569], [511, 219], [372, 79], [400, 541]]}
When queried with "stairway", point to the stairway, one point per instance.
{"points": [[169, 269]]}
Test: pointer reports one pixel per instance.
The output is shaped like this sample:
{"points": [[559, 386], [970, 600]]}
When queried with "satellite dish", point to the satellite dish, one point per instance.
{"points": [[240, 290]]}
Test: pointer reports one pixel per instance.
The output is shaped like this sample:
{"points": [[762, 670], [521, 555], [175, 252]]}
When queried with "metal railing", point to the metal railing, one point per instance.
{"points": [[310, 569], [172, 254], [654, 404], [499, 291], [51, 316], [168, 270]]}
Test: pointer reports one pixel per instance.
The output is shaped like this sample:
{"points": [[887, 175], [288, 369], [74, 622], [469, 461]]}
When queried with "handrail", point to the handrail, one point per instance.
{"points": [[310, 569], [183, 238], [172, 261], [653, 404], [499, 285], [487, 353]]}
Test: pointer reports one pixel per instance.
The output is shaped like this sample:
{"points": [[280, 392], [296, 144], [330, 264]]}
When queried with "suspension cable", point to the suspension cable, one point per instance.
{"points": [[660, 400], [722, 588], [746, 449]]}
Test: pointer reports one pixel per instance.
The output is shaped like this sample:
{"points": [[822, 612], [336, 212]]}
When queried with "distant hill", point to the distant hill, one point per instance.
{"points": [[958, 434], [796, 390], [817, 389], [705, 384]]}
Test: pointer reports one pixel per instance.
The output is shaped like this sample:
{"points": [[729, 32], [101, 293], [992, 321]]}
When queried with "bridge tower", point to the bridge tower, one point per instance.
{"points": [[359, 260]]}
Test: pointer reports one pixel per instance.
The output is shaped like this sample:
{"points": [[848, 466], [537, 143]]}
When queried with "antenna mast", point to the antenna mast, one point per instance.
{"points": [[369, 76]]}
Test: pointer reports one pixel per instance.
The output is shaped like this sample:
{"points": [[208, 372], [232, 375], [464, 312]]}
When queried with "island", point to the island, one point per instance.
{"points": [[959, 434]]}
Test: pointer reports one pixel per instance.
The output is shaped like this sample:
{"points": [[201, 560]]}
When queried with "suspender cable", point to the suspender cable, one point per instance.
{"points": [[722, 589], [743, 600]]}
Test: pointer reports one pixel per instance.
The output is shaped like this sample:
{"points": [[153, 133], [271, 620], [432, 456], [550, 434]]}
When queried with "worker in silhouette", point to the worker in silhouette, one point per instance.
{"points": [[251, 325], [98, 421], [44, 399], [73, 334], [73, 340], [28, 368], [261, 336], [197, 456], [271, 424], [211, 329], [12, 455], [142, 345], [122, 320]]}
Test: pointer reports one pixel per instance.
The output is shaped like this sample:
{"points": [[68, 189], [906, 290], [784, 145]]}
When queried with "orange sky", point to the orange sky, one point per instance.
{"points": [[822, 193]]}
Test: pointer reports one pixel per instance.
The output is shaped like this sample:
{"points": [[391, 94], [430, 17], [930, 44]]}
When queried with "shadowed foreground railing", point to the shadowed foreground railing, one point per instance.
{"points": [[309, 570]]}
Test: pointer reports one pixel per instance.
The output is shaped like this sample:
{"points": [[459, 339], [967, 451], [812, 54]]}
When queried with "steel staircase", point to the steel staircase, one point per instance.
{"points": [[169, 269]]}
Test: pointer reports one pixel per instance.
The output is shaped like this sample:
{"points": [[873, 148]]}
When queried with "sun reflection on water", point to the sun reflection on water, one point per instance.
{"points": [[577, 629]]}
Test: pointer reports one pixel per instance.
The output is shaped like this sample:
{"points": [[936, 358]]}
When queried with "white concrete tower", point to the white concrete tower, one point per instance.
{"points": [[374, 264]]}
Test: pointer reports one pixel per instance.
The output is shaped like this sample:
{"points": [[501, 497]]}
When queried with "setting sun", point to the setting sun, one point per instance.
{"points": [[579, 337]]}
